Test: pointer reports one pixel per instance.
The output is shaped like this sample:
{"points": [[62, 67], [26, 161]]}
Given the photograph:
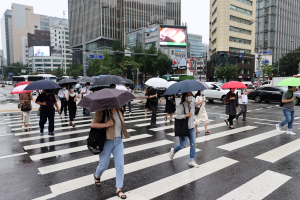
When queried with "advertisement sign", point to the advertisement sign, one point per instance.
{"points": [[173, 36], [175, 64], [183, 63], [56, 51], [41, 51], [192, 61]]}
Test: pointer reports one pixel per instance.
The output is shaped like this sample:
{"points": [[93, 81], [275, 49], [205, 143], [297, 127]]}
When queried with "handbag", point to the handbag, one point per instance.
{"points": [[25, 106], [97, 138], [182, 126], [19, 105], [197, 109], [39, 112]]}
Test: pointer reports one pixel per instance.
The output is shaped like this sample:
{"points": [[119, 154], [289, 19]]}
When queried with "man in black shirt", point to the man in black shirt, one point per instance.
{"points": [[47, 100], [153, 100]]}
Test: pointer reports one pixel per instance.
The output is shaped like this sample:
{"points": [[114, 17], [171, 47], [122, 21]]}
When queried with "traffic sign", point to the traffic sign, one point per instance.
{"points": [[86, 67], [261, 73], [168, 76], [96, 56], [267, 52], [241, 56], [228, 54], [265, 61], [257, 73]]}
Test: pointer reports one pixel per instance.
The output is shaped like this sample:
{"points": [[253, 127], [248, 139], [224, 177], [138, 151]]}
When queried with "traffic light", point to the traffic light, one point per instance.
{"points": [[222, 54]]}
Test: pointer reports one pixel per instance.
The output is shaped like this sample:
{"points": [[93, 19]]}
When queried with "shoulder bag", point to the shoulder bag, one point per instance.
{"points": [[97, 138], [25, 106], [182, 126], [153, 100], [197, 109]]}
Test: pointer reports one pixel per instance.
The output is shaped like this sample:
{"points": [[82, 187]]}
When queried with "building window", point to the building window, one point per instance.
{"points": [[235, 29], [239, 40], [67, 33], [214, 12], [248, 12], [236, 50], [214, 31], [38, 60], [215, 1], [214, 41], [266, 23], [244, 61], [215, 21], [243, 21], [47, 60], [56, 60], [214, 51], [246, 2], [38, 65]]}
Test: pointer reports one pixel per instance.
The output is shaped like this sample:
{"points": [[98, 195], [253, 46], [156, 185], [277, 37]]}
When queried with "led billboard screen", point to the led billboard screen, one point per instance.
{"points": [[41, 51], [170, 36]]}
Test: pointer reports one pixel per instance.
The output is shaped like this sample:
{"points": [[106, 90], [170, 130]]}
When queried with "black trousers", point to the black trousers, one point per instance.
{"points": [[243, 111], [72, 112], [64, 105], [129, 106], [230, 119], [47, 113], [153, 107]]}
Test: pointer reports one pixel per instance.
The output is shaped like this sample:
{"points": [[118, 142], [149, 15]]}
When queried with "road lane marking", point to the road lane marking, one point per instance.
{"points": [[95, 158], [80, 148], [259, 187], [162, 128], [35, 122], [280, 152], [13, 155], [250, 140], [169, 184], [202, 128]]}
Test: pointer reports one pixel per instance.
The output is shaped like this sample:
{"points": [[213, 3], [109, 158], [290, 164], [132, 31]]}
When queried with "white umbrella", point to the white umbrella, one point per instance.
{"points": [[171, 83], [157, 83], [121, 87]]}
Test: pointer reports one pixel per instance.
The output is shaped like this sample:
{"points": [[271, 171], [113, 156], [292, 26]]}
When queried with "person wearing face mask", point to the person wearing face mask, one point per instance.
{"points": [[202, 117], [129, 103], [186, 109], [231, 104], [153, 97], [63, 94], [85, 91], [47, 100], [72, 98]]}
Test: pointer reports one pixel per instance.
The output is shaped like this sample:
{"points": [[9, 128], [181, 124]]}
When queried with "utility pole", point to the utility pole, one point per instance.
{"points": [[83, 40], [2, 72], [299, 68]]}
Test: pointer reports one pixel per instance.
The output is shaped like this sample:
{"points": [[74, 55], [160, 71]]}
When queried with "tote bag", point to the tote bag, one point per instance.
{"points": [[182, 126]]}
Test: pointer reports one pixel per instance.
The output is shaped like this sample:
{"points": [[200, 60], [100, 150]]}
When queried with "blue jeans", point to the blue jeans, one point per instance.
{"points": [[289, 118], [183, 141], [116, 148]]}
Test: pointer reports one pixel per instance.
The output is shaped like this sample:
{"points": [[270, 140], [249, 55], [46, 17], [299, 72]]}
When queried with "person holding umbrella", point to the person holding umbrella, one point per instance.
{"points": [[85, 92], [232, 102], [47, 100], [63, 94], [71, 99]]}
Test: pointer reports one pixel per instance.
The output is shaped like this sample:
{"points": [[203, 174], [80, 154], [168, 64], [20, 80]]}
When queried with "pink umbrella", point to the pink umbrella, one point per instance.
{"points": [[20, 90]]}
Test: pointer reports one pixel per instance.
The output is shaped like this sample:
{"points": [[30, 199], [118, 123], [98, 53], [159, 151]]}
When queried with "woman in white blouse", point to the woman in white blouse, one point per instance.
{"points": [[202, 117]]}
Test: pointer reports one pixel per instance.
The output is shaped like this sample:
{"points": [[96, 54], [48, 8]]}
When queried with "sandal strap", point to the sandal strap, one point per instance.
{"points": [[119, 192], [98, 179]]}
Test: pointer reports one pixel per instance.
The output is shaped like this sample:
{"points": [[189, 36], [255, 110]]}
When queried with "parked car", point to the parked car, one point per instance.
{"points": [[9, 82], [215, 92], [270, 94]]}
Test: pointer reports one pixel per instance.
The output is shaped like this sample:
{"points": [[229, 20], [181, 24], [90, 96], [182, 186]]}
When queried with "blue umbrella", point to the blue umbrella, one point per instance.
{"points": [[42, 85], [184, 86]]}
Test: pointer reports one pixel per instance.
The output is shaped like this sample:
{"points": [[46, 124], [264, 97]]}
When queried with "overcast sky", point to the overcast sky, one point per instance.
{"points": [[194, 12]]}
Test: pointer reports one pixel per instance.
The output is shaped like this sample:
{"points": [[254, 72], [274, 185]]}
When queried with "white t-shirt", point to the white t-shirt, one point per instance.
{"points": [[86, 90], [240, 92]]}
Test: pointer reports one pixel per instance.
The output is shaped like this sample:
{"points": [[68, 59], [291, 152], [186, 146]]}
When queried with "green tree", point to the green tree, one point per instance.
{"points": [[163, 64], [59, 72], [94, 68], [148, 61], [267, 69], [228, 72], [74, 70], [288, 64]]}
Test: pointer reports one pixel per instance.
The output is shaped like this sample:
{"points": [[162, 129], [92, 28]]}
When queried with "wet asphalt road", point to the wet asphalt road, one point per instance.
{"points": [[262, 163]]}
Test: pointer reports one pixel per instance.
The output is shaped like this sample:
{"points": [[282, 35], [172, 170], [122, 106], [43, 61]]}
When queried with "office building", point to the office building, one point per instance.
{"points": [[16, 23], [232, 30], [103, 24], [278, 23], [196, 48]]}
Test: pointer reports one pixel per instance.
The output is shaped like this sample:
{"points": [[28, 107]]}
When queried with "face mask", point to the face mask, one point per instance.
{"points": [[64, 88], [202, 93], [87, 87], [47, 91], [72, 90], [190, 98], [232, 90]]}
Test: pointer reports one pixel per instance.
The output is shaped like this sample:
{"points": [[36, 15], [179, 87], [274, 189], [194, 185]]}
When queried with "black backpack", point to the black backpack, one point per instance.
{"points": [[97, 138]]}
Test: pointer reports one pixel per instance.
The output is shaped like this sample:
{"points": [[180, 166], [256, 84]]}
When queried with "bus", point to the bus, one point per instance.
{"points": [[49, 77], [17, 79]]}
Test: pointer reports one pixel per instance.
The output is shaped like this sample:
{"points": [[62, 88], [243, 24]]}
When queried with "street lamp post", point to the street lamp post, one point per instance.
{"points": [[2, 72], [278, 60], [259, 56]]}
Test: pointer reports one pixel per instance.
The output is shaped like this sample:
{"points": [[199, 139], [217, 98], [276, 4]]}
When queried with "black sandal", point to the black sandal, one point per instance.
{"points": [[226, 122], [123, 196], [97, 179], [166, 119]]}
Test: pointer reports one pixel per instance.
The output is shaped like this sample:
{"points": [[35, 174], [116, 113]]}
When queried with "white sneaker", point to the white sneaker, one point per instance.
{"points": [[23, 127], [172, 154], [278, 128], [193, 164], [130, 113], [290, 133]]}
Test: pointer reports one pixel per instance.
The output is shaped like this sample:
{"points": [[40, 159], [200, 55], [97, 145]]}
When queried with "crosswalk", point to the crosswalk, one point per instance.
{"points": [[146, 156]]}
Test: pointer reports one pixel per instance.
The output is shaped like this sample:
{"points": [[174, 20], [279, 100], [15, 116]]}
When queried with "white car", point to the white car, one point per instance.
{"points": [[215, 92]]}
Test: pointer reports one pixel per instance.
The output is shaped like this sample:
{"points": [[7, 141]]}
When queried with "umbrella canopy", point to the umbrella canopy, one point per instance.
{"points": [[110, 79], [22, 83], [289, 82], [234, 85], [42, 85], [157, 83], [184, 86], [84, 80], [128, 81], [20, 89], [67, 81], [99, 87], [208, 86], [106, 99], [298, 75], [121, 87]]}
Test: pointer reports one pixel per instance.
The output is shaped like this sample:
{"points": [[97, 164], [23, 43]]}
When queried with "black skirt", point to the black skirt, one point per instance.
{"points": [[170, 107], [147, 104]]}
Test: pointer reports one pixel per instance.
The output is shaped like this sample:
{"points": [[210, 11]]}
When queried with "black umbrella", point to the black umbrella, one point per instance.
{"points": [[42, 85], [84, 80], [106, 99], [185, 86], [67, 81], [110, 79], [128, 81], [99, 87]]}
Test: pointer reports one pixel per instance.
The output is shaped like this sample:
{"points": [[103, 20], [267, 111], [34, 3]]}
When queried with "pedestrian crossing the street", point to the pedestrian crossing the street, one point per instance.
{"points": [[245, 157]]}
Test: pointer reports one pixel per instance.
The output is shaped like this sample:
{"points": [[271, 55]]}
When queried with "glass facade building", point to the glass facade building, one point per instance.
{"points": [[197, 49], [6, 37], [277, 26], [118, 17]]}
